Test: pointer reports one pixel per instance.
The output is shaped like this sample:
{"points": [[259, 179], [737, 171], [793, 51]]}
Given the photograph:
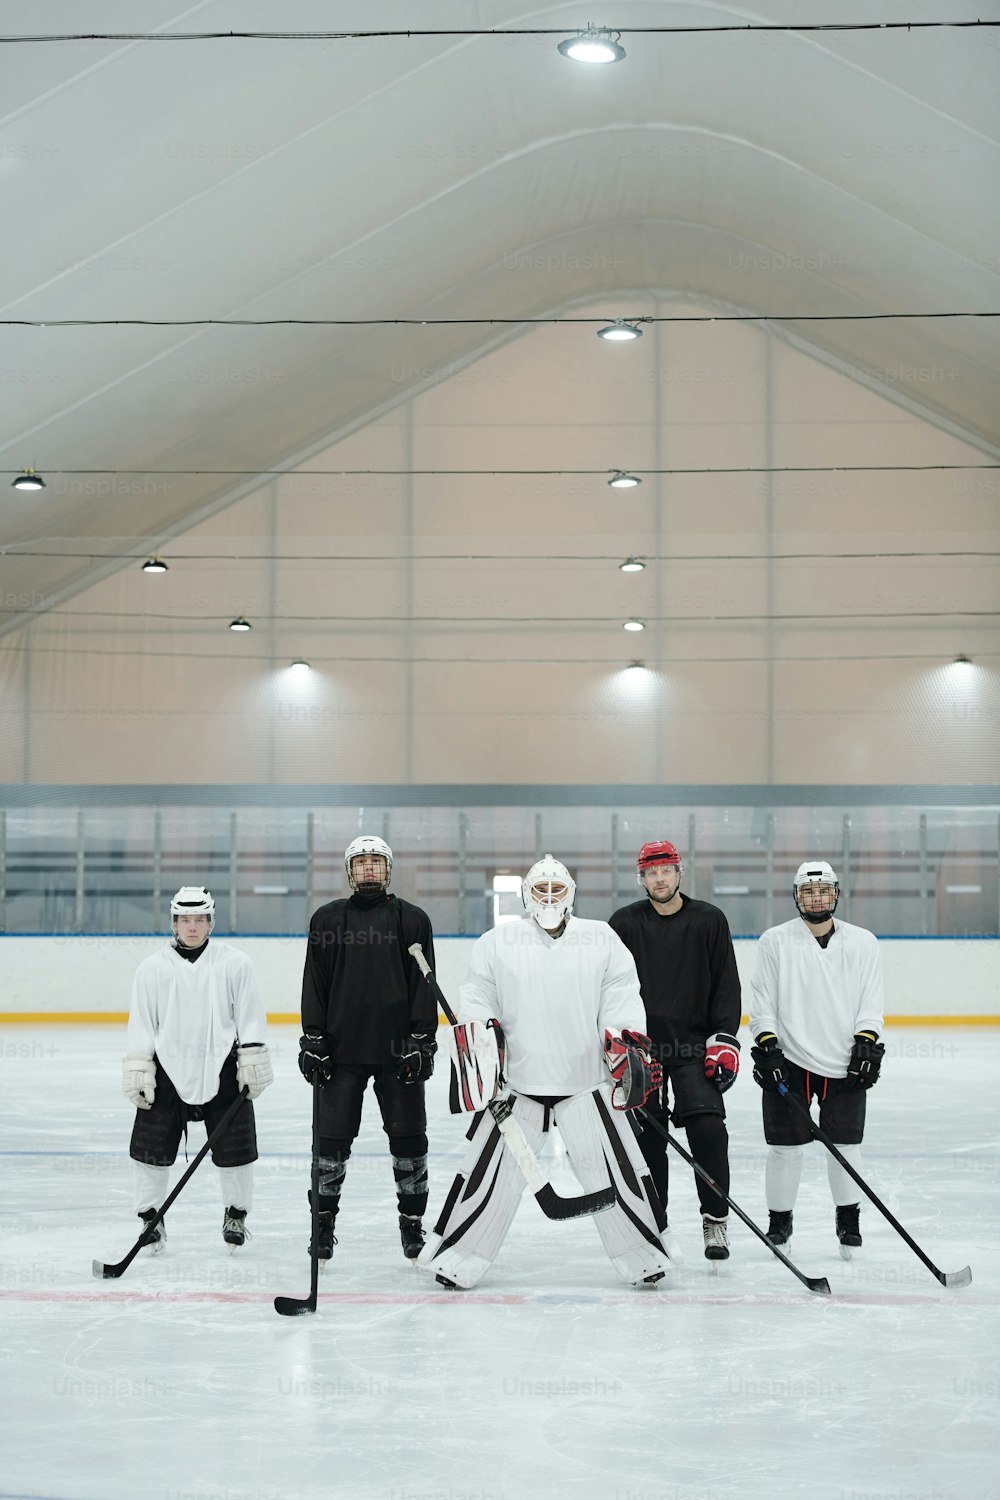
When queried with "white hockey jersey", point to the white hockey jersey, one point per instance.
{"points": [[190, 1014], [554, 997], [814, 999]]}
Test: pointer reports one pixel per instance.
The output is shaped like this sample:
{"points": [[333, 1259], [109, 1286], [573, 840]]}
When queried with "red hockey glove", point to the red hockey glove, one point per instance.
{"points": [[636, 1073], [722, 1060]]}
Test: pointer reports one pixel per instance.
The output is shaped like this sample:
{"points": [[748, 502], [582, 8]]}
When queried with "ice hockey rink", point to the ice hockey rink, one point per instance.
{"points": [[180, 1382]]}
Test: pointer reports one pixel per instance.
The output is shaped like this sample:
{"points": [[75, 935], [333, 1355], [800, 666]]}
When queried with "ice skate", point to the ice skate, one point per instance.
{"points": [[716, 1236], [848, 1229], [325, 1239], [159, 1237], [779, 1230], [411, 1232], [234, 1229]]}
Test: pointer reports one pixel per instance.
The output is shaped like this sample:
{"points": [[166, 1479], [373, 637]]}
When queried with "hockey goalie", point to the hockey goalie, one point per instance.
{"points": [[557, 1027]]}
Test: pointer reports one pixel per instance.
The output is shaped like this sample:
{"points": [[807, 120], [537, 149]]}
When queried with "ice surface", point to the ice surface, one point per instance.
{"points": [[179, 1381]]}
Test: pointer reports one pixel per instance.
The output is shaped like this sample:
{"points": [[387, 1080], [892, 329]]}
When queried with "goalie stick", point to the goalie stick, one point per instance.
{"points": [[552, 1204], [946, 1278], [291, 1307], [818, 1284], [106, 1272]]}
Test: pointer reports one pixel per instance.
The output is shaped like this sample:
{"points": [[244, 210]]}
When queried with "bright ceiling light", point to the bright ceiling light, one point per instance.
{"points": [[633, 625], [634, 666], [300, 667], [620, 332], [240, 624], [29, 480], [595, 45], [154, 564], [620, 480], [631, 565], [963, 661]]}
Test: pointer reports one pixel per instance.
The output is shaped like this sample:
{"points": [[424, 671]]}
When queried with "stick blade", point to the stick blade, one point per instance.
{"points": [[104, 1273], [291, 1307], [818, 1284], [555, 1207], [956, 1278]]}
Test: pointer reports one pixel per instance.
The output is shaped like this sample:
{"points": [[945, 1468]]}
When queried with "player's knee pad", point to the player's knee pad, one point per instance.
{"points": [[408, 1145]]}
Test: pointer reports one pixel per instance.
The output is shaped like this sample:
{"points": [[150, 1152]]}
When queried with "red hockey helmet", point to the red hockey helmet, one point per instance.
{"points": [[657, 852]]}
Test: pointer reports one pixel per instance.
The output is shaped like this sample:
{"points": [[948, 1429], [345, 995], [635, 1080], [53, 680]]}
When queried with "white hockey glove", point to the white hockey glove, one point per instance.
{"points": [[139, 1081], [253, 1068]]}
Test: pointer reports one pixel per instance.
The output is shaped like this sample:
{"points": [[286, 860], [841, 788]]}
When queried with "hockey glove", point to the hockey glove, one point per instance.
{"points": [[315, 1056], [139, 1081], [770, 1066], [636, 1072], [865, 1061], [416, 1058], [253, 1068], [722, 1060]]}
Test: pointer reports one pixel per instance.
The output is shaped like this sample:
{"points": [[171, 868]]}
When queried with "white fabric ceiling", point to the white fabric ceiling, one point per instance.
{"points": [[454, 178]]}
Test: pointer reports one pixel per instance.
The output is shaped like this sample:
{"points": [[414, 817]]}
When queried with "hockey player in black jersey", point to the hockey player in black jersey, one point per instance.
{"points": [[368, 1015], [683, 951]]}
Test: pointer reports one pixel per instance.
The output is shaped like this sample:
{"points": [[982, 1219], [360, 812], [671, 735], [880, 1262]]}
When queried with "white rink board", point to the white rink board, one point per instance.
{"points": [[552, 1379], [923, 977]]}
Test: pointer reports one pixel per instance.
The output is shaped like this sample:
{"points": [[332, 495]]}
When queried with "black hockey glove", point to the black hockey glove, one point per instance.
{"points": [[416, 1058], [315, 1056], [865, 1061], [770, 1065]]}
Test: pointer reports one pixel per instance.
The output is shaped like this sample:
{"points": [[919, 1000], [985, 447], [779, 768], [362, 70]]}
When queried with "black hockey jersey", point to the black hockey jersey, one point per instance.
{"points": [[360, 985], [687, 974]]}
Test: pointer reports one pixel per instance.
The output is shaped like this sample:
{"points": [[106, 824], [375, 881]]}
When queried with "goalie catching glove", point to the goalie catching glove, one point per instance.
{"points": [[865, 1061], [253, 1068], [722, 1060], [636, 1072], [139, 1081]]}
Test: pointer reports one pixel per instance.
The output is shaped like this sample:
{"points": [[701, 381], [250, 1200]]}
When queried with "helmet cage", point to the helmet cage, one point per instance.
{"points": [[374, 847], [548, 892], [816, 876]]}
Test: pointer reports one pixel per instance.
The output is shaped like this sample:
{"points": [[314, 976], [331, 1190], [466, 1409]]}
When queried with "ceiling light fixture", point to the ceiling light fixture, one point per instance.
{"points": [[963, 661], [300, 667], [637, 665], [620, 480], [154, 564], [29, 480], [631, 565], [240, 624], [633, 625], [595, 45], [619, 332]]}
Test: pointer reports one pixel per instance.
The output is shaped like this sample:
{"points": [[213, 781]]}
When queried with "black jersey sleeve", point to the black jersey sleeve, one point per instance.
{"points": [[317, 973], [725, 999], [416, 927]]}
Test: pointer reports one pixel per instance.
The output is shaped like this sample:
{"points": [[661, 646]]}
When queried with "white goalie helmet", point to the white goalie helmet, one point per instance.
{"points": [[367, 844], [193, 901], [817, 873], [548, 891]]}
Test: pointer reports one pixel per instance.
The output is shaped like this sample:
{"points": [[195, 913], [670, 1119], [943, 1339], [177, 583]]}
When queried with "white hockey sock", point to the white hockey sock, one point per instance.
{"points": [[149, 1185], [781, 1177], [843, 1188], [237, 1187]]}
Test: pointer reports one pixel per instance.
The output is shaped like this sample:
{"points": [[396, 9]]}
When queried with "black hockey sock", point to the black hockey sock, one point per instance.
{"points": [[410, 1173], [709, 1143]]}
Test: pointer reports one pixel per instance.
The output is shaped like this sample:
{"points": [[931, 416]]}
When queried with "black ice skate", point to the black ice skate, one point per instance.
{"points": [[848, 1229], [411, 1232], [716, 1233], [779, 1230], [325, 1237], [159, 1236], [234, 1229]]}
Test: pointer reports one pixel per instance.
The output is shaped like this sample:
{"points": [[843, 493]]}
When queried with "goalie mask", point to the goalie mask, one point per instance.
{"points": [[192, 901], [548, 891], [375, 871], [816, 891]]}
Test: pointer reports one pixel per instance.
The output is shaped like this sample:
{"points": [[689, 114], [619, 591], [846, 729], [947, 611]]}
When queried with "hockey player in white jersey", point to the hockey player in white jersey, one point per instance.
{"points": [[196, 1036], [565, 993], [816, 1016]]}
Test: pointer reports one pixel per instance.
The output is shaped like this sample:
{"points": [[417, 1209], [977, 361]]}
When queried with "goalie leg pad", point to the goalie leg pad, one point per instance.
{"points": [[482, 1201], [600, 1143]]}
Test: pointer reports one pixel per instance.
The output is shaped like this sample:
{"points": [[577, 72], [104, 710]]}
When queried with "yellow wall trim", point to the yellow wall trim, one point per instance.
{"points": [[290, 1018]]}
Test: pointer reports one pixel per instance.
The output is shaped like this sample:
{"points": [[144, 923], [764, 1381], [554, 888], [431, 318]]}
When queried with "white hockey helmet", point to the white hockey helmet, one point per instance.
{"points": [[548, 891], [367, 844], [816, 872], [193, 901]]}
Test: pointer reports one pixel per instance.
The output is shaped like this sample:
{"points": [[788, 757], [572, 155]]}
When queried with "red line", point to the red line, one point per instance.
{"points": [[505, 1299]]}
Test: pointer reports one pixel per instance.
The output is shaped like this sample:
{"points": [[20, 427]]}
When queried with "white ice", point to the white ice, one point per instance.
{"points": [[179, 1381]]}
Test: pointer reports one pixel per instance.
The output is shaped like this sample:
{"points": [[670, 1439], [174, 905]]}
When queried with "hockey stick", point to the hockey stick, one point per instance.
{"points": [[818, 1284], [552, 1204], [946, 1278], [105, 1272], [290, 1307]]}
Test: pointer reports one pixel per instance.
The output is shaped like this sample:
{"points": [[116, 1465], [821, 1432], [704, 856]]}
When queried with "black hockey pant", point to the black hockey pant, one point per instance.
{"points": [[404, 1120]]}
